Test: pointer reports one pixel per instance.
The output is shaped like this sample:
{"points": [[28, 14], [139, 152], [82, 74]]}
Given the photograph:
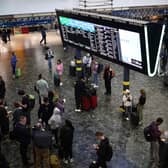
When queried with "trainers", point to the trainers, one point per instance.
{"points": [[127, 119], [61, 84], [71, 160], [65, 161]]}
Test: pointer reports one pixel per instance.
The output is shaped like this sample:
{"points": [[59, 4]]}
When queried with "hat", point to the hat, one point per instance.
{"points": [[127, 91]]}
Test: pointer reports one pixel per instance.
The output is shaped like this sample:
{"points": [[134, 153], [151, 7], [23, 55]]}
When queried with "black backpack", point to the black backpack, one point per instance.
{"points": [[148, 133], [109, 153]]}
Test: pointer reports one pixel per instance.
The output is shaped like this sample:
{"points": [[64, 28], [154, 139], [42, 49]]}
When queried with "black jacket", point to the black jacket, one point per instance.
{"points": [[2, 89], [79, 88], [101, 152], [66, 135], [22, 133]]}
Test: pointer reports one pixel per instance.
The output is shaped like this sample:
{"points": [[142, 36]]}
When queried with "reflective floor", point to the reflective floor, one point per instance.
{"points": [[130, 148]]}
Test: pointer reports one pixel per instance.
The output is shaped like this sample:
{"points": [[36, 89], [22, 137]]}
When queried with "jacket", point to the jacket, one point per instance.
{"points": [[13, 60], [2, 89], [127, 100], [101, 151], [55, 121], [59, 69], [155, 131]]}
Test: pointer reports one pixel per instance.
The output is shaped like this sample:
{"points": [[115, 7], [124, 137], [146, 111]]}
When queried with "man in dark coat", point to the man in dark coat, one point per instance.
{"points": [[101, 149], [108, 74], [23, 136], [4, 120], [2, 88], [79, 91], [45, 111], [66, 141]]}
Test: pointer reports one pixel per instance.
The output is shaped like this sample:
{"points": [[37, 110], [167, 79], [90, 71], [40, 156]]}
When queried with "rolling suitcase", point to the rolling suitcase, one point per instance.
{"points": [[18, 73], [93, 100], [134, 117], [86, 103]]}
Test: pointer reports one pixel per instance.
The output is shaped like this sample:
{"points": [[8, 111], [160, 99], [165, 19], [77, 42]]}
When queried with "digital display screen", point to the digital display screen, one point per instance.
{"points": [[130, 48], [135, 44]]}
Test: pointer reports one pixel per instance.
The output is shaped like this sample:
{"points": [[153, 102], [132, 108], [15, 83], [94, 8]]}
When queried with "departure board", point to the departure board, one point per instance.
{"points": [[129, 42]]}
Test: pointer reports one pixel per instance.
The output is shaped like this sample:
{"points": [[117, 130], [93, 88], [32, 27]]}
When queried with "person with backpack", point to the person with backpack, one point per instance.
{"points": [[140, 105], [42, 142], [103, 149], [152, 134]]}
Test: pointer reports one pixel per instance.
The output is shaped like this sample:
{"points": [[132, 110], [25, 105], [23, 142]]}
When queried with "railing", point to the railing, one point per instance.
{"points": [[95, 4]]}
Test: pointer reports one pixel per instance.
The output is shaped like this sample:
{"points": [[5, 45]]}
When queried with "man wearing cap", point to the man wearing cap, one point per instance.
{"points": [[127, 101]]}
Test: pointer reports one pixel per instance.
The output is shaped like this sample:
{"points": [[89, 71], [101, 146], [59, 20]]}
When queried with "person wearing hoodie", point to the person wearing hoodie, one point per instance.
{"points": [[55, 122]]}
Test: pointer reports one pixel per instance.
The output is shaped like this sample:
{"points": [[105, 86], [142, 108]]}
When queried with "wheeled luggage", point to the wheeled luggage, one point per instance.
{"points": [[93, 100], [86, 103], [134, 118], [18, 73], [54, 161], [56, 80]]}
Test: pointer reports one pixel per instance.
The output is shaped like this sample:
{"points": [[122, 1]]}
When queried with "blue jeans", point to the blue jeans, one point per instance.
{"points": [[13, 69], [95, 78]]}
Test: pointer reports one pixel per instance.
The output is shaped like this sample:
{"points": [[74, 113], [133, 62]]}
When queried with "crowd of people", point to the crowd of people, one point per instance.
{"points": [[52, 134]]}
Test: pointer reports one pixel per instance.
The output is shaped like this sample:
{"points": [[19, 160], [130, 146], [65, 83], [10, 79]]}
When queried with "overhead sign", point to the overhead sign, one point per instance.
{"points": [[123, 41]]}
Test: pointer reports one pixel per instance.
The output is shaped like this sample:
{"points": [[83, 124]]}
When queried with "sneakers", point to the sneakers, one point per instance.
{"points": [[77, 110], [61, 83], [65, 161], [71, 160], [127, 118]]}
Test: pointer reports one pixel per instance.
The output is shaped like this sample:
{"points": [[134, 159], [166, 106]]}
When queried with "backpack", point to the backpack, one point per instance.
{"points": [[31, 101], [109, 153], [148, 133]]}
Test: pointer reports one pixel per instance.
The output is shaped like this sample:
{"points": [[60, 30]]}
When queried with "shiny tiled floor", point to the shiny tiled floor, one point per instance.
{"points": [[130, 148]]}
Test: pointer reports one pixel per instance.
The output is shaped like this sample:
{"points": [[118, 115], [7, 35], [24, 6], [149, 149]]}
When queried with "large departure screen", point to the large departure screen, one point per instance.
{"points": [[129, 42], [118, 44]]}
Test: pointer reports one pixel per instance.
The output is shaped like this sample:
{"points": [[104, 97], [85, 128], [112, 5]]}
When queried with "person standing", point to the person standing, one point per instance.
{"points": [[45, 111], [13, 63], [108, 75], [42, 88], [101, 149], [2, 88], [4, 36], [66, 141], [24, 137], [4, 119], [43, 35], [79, 92], [59, 70], [55, 123], [87, 60], [154, 144], [95, 73], [42, 142], [127, 102], [49, 58], [8, 33], [140, 105]]}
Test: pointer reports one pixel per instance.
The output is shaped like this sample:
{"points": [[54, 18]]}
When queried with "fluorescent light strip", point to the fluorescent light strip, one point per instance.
{"points": [[147, 50]]}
